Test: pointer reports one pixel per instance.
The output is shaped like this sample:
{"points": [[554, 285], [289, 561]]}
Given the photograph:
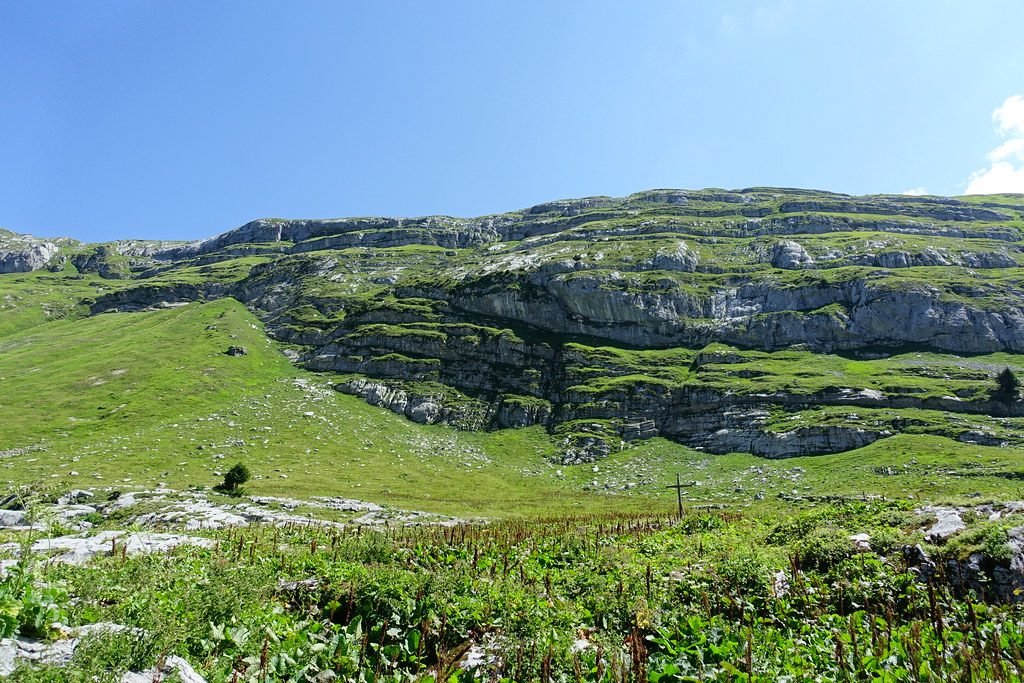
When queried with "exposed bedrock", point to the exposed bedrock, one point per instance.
{"points": [[25, 255], [507, 382], [589, 316], [148, 296], [819, 315]]}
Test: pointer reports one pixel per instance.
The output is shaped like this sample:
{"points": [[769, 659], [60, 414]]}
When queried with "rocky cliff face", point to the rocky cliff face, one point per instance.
{"points": [[774, 321], [24, 253]]}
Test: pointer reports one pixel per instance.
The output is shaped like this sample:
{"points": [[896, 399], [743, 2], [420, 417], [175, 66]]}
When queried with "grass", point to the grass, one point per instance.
{"points": [[116, 400], [29, 299]]}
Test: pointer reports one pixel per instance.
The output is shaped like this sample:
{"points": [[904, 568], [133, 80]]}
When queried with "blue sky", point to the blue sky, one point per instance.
{"points": [[182, 119]]}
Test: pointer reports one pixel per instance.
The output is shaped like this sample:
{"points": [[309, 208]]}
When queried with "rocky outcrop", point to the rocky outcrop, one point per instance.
{"points": [[744, 431], [478, 322], [429, 409], [820, 315], [680, 258], [991, 572], [317, 235], [24, 253], [579, 449], [107, 262], [948, 522], [931, 257], [517, 411], [949, 210], [820, 224], [470, 357], [790, 255], [78, 549], [639, 429], [149, 296]]}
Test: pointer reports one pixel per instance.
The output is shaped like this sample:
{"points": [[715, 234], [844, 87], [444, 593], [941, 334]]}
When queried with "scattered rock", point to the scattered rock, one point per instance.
{"points": [[173, 668], [194, 515], [948, 522], [13, 519], [59, 652], [292, 586], [861, 542], [79, 549]]}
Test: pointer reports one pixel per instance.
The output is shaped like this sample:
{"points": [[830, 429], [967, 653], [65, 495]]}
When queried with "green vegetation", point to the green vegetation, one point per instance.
{"points": [[725, 320], [116, 399], [233, 478], [1007, 386], [27, 606], [610, 598]]}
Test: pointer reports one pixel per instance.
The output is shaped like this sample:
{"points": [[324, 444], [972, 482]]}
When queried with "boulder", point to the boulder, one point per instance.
{"points": [[13, 518], [948, 522], [790, 255]]}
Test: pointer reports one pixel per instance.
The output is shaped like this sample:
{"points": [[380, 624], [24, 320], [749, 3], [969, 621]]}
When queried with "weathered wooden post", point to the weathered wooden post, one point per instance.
{"points": [[679, 494]]}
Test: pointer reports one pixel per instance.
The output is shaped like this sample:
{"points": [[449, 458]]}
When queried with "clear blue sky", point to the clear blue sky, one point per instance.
{"points": [[182, 119]]}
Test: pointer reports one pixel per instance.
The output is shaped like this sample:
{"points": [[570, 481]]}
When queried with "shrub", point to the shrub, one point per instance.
{"points": [[694, 524], [1007, 386], [995, 547], [989, 539], [886, 540], [823, 549], [233, 478]]}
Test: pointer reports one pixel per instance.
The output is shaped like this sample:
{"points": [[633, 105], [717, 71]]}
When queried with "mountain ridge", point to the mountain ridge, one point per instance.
{"points": [[547, 205], [727, 320]]}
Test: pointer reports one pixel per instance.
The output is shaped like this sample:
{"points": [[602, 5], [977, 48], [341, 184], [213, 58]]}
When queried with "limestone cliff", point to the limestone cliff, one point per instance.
{"points": [[767, 320]]}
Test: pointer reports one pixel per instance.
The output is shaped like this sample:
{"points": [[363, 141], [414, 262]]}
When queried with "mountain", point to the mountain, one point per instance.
{"points": [[773, 321]]}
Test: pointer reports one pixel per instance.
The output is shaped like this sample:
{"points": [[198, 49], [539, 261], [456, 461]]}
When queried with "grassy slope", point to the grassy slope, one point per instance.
{"points": [[28, 299], [142, 398]]}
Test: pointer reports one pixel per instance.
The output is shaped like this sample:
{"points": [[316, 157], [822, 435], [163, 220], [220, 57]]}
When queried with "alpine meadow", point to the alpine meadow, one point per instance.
{"points": [[299, 383], [446, 449]]}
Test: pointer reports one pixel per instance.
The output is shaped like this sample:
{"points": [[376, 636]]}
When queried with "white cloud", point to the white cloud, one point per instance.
{"points": [[1009, 118], [915, 192], [1006, 170], [1011, 149], [1001, 177]]}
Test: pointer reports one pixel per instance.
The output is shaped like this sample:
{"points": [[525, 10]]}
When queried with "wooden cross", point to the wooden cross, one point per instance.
{"points": [[679, 486]]}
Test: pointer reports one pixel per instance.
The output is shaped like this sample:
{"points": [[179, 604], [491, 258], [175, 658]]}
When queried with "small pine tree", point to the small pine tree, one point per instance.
{"points": [[1007, 386], [235, 477]]}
